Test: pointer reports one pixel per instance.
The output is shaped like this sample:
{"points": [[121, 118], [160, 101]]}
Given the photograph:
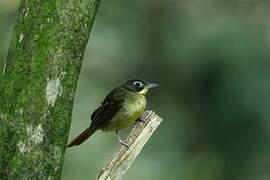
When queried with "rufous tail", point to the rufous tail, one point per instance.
{"points": [[82, 137]]}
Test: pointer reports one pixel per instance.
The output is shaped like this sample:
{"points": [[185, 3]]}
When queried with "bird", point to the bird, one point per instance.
{"points": [[119, 110]]}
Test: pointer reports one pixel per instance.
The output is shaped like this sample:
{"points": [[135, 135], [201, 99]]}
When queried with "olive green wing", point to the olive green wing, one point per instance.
{"points": [[113, 102]]}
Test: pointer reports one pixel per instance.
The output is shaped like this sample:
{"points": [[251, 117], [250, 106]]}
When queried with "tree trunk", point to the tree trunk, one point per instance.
{"points": [[38, 83]]}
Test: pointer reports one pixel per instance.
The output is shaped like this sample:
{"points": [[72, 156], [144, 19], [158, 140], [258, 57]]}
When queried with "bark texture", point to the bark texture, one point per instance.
{"points": [[37, 85], [124, 157]]}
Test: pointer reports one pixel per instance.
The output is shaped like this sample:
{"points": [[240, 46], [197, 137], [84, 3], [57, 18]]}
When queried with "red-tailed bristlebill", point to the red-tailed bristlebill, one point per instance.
{"points": [[119, 110]]}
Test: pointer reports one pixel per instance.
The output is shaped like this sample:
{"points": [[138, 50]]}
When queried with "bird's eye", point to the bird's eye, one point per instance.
{"points": [[138, 85]]}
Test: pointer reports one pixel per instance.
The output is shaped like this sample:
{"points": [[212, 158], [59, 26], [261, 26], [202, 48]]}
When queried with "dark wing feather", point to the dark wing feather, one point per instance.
{"points": [[109, 107]]}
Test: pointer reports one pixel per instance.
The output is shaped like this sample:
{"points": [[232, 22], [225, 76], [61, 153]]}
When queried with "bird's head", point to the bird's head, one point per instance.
{"points": [[139, 86]]}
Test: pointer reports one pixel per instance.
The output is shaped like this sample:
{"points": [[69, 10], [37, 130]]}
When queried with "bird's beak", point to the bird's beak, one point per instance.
{"points": [[151, 85]]}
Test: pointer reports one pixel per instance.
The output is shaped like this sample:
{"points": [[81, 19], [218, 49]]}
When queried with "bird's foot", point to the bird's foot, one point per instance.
{"points": [[141, 120], [124, 143]]}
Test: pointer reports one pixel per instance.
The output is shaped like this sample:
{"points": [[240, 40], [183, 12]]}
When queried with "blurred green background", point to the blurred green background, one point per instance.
{"points": [[211, 59]]}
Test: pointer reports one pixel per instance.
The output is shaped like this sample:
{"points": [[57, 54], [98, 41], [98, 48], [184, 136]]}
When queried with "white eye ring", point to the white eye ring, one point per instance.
{"points": [[138, 84]]}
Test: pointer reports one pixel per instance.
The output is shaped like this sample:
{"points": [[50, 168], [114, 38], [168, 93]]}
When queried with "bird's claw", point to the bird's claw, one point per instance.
{"points": [[141, 120], [124, 143]]}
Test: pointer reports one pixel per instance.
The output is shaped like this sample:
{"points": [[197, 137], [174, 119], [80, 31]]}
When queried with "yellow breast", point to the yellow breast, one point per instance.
{"points": [[132, 109]]}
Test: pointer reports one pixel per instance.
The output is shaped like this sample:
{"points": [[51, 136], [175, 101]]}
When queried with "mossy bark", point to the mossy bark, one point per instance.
{"points": [[38, 83]]}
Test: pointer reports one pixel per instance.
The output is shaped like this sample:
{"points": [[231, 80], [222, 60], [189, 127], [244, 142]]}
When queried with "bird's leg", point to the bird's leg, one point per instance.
{"points": [[123, 142]]}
